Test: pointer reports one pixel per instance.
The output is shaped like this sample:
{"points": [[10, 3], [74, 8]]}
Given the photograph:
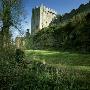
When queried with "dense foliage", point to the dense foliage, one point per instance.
{"points": [[83, 8], [71, 35], [38, 76], [10, 17], [47, 70], [67, 16]]}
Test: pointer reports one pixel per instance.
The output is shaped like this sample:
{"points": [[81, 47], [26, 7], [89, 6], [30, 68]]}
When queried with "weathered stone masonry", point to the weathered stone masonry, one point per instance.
{"points": [[41, 18]]}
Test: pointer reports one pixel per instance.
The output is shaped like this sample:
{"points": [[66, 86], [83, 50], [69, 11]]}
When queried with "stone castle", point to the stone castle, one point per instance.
{"points": [[20, 42], [41, 18]]}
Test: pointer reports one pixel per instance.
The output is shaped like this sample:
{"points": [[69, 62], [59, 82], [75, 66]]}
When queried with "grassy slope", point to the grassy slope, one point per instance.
{"points": [[58, 59], [73, 66], [62, 58]]}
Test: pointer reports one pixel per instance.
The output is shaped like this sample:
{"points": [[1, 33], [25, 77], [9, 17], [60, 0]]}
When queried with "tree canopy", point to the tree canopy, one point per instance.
{"points": [[10, 16]]}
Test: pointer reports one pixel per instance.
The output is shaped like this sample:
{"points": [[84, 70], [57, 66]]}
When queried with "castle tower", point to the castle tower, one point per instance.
{"points": [[41, 18]]}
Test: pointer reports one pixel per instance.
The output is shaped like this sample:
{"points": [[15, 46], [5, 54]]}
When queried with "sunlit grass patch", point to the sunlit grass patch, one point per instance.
{"points": [[63, 69], [54, 57]]}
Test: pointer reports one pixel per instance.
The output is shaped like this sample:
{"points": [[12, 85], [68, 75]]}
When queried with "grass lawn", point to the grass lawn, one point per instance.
{"points": [[72, 67], [60, 58], [46, 70]]}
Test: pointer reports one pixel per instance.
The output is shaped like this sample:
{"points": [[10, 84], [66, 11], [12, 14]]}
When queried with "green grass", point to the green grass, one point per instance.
{"points": [[60, 58], [46, 70], [73, 68]]}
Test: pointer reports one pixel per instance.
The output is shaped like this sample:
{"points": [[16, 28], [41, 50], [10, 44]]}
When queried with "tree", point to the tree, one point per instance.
{"points": [[10, 11]]}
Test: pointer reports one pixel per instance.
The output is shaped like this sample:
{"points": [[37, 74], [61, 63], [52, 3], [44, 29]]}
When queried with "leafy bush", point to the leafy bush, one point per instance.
{"points": [[33, 75]]}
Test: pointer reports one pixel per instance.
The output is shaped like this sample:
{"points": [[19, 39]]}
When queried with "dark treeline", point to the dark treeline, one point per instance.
{"points": [[68, 32], [67, 16], [71, 35]]}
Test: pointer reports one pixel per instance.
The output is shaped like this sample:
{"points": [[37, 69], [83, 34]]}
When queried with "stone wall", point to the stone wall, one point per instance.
{"points": [[20, 43], [41, 18]]}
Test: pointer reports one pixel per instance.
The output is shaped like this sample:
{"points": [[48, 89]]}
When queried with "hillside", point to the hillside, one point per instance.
{"points": [[82, 9], [73, 35], [67, 16], [70, 32], [59, 70]]}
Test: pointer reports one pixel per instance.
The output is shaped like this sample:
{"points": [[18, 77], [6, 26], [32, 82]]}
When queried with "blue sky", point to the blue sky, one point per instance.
{"points": [[60, 6]]}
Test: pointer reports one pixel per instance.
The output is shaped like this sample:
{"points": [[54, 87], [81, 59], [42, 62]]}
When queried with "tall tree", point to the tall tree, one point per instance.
{"points": [[10, 11]]}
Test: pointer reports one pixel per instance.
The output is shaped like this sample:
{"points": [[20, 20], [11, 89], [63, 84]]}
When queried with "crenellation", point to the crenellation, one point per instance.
{"points": [[41, 18]]}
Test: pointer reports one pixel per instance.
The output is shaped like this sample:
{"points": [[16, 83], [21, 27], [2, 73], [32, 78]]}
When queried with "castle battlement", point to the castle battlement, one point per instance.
{"points": [[46, 8], [42, 16], [51, 10]]}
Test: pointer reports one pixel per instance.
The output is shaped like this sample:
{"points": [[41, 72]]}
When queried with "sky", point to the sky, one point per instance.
{"points": [[60, 6]]}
